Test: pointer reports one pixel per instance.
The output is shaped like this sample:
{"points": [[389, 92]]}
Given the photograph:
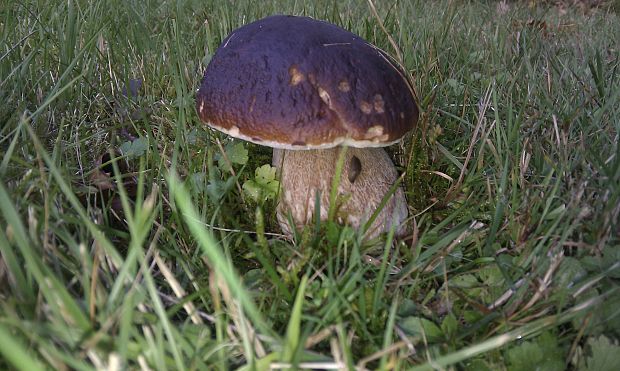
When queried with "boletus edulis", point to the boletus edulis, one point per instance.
{"points": [[308, 88]]}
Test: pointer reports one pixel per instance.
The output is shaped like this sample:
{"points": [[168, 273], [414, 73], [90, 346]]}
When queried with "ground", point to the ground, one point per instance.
{"points": [[132, 237]]}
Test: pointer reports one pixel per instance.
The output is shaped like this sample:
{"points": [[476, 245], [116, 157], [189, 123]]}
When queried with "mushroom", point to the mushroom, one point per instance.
{"points": [[308, 88]]}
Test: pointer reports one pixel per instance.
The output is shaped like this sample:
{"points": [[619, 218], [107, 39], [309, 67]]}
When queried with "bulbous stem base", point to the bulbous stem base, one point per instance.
{"points": [[367, 176]]}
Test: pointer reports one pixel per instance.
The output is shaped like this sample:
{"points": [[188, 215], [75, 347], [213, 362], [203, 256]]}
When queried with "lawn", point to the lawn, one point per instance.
{"points": [[133, 237]]}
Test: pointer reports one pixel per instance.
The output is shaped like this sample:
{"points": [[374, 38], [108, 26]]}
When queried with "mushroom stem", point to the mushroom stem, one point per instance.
{"points": [[367, 176]]}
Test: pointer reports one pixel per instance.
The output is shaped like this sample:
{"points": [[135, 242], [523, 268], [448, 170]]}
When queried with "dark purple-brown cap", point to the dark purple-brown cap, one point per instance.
{"points": [[299, 83]]}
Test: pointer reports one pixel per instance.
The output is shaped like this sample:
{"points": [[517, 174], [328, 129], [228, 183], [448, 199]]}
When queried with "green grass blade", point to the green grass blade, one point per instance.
{"points": [[50, 286], [293, 331], [499, 341], [219, 263], [15, 352]]}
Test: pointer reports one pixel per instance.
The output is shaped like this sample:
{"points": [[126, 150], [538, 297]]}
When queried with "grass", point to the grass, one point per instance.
{"points": [[133, 238]]}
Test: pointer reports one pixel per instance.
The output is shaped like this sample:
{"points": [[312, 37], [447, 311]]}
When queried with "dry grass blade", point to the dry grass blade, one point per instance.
{"points": [[178, 290], [484, 104]]}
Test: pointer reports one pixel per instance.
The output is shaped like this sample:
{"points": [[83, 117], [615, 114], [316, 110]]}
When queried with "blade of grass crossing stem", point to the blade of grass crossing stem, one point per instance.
{"points": [[317, 215], [293, 331], [55, 293], [383, 202], [15, 353], [218, 261], [333, 194]]}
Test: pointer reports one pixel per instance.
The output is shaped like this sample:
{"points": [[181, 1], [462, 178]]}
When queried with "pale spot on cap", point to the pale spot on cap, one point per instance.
{"points": [[252, 104], [344, 86], [374, 132], [296, 75], [325, 97]]}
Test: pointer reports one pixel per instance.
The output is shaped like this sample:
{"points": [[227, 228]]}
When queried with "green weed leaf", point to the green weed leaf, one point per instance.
{"points": [[542, 353], [237, 154], [449, 326], [135, 148], [418, 327], [218, 188], [264, 186], [197, 181], [604, 355]]}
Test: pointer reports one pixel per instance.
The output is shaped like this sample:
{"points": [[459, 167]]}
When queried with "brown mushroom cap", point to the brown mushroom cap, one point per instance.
{"points": [[299, 83]]}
